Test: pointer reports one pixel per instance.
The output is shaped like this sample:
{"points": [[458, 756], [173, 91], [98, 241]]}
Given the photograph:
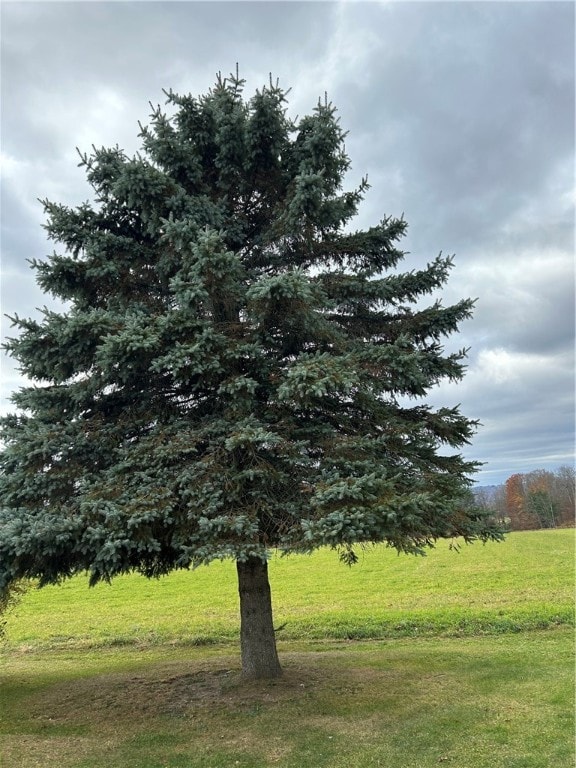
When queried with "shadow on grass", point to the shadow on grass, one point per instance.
{"points": [[475, 702]]}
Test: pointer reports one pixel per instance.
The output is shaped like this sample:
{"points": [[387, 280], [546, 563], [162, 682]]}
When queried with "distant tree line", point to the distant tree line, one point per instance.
{"points": [[538, 499]]}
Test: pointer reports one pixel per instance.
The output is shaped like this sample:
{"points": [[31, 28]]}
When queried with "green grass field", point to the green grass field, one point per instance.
{"points": [[523, 583], [462, 659]]}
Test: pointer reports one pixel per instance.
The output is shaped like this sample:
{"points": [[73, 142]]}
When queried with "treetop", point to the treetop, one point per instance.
{"points": [[235, 366]]}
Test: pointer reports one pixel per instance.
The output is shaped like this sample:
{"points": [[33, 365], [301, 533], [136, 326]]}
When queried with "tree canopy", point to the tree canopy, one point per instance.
{"points": [[237, 369]]}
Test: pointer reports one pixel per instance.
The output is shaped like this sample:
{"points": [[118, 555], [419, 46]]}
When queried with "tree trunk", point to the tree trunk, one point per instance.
{"points": [[257, 638]]}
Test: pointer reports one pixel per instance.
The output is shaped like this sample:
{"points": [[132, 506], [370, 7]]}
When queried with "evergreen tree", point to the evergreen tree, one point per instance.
{"points": [[234, 370]]}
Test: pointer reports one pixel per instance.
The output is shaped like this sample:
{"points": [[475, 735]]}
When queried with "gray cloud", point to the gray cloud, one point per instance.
{"points": [[461, 113], [477, 100]]}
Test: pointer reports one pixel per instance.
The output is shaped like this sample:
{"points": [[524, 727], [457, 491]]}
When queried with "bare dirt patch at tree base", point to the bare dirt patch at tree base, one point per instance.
{"points": [[172, 689]]}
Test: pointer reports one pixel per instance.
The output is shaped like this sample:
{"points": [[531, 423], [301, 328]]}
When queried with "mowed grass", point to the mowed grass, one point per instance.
{"points": [[487, 702], [526, 582], [471, 664]]}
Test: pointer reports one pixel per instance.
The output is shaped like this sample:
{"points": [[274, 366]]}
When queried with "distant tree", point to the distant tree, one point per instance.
{"points": [[521, 517], [514, 500], [540, 504], [492, 499], [540, 500], [564, 492], [499, 504], [233, 371], [483, 497]]}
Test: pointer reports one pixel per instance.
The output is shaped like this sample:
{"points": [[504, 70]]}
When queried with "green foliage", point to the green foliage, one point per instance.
{"points": [[543, 506], [232, 371]]}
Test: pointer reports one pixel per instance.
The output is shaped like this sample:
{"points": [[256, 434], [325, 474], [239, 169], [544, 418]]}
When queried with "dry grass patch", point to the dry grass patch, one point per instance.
{"points": [[33, 751]]}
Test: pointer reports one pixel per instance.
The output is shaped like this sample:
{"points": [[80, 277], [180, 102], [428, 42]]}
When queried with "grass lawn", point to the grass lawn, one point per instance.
{"points": [[467, 660], [526, 582]]}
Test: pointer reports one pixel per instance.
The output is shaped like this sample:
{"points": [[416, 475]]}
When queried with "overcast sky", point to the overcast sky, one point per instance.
{"points": [[461, 114]]}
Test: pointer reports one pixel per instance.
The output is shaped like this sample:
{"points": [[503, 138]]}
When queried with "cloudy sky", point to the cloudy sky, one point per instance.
{"points": [[461, 113]]}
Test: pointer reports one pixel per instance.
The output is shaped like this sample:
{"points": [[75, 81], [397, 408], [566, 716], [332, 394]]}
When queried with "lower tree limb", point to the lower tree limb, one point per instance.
{"points": [[257, 638]]}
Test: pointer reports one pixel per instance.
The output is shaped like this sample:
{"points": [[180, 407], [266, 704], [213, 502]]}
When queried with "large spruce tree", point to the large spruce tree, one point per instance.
{"points": [[234, 370]]}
